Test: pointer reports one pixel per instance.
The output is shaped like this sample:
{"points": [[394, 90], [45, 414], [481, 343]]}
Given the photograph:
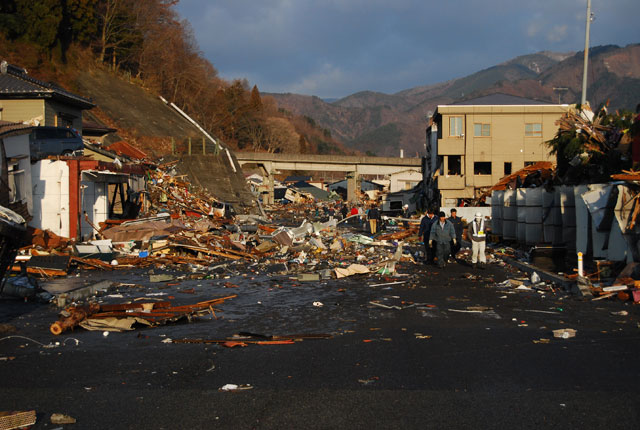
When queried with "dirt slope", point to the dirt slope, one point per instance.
{"points": [[145, 121]]}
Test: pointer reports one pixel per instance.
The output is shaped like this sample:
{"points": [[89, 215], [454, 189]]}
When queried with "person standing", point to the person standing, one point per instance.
{"points": [[354, 213], [344, 210], [425, 231], [458, 226], [442, 233], [373, 215], [478, 241]]}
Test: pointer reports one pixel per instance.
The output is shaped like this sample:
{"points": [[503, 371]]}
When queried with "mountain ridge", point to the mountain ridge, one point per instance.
{"points": [[375, 122]]}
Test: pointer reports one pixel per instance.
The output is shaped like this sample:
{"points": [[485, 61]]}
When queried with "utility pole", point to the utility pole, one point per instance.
{"points": [[560, 90], [586, 54]]}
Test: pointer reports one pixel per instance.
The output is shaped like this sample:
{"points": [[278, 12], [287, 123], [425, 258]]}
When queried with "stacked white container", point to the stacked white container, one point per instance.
{"points": [[509, 215], [533, 226], [521, 227], [568, 210], [548, 216], [497, 201]]}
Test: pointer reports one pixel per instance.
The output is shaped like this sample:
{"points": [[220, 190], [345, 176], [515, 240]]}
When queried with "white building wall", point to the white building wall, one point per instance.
{"points": [[50, 181], [405, 180]]}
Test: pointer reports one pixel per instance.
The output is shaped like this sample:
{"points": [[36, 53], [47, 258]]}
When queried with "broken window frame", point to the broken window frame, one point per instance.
{"points": [[16, 184], [118, 192]]}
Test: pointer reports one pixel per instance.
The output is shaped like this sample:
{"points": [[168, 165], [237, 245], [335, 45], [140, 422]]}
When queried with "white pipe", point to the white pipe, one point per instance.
{"points": [[580, 265], [231, 161], [191, 120]]}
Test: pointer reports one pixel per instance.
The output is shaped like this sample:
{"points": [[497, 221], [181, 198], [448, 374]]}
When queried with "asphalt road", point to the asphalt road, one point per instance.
{"points": [[459, 353]]}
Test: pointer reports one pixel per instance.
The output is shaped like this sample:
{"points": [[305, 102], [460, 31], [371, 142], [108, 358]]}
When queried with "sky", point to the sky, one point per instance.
{"points": [[335, 48]]}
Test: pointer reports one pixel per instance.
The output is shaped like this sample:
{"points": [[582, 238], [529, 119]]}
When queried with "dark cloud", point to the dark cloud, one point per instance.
{"points": [[333, 48]]}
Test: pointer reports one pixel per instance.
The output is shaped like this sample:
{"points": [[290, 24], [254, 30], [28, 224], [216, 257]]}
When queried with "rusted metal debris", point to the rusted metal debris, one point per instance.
{"points": [[153, 313], [241, 340]]}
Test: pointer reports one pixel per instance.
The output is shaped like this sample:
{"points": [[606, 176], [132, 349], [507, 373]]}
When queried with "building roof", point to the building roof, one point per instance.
{"points": [[15, 83], [102, 151], [297, 178], [380, 186], [92, 128], [311, 189], [500, 99], [13, 128], [123, 148]]}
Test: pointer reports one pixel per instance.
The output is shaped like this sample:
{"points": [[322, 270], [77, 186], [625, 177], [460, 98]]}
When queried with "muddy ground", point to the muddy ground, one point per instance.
{"points": [[460, 353]]}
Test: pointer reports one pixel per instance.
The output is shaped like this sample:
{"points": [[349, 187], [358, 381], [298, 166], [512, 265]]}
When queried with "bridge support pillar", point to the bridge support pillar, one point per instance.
{"points": [[266, 189], [352, 187], [268, 197]]}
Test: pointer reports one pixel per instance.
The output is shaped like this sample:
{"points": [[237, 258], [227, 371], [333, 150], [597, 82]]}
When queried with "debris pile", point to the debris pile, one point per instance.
{"points": [[590, 147], [121, 317]]}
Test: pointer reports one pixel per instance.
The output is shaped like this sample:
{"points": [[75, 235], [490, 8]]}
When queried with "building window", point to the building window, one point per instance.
{"points": [[482, 168], [454, 165], [481, 130], [533, 129], [455, 126], [507, 168], [409, 184]]}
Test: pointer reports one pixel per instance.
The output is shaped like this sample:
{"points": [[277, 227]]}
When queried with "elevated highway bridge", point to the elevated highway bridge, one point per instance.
{"points": [[352, 165]]}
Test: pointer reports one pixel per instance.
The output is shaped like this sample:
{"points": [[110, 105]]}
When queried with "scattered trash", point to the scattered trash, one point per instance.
{"points": [[369, 381], [234, 387], [620, 313], [62, 419], [535, 278], [564, 333]]}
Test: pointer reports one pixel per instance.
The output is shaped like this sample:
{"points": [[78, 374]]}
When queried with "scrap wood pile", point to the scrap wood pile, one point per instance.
{"points": [[121, 317], [536, 175], [184, 227], [590, 147], [175, 194]]}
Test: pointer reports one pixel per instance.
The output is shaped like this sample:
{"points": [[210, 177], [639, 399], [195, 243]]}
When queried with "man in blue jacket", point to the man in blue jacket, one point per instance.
{"points": [[425, 231], [443, 234]]}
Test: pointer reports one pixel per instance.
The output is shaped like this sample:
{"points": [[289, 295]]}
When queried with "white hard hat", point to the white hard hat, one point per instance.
{"points": [[478, 215]]}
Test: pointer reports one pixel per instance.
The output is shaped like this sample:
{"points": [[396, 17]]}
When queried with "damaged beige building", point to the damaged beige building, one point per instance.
{"points": [[471, 145]]}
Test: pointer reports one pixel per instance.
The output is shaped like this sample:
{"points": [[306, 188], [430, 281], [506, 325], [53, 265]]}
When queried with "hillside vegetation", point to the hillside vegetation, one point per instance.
{"points": [[83, 44]]}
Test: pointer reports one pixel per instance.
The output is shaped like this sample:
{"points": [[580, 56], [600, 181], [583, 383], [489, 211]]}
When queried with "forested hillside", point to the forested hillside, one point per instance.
{"points": [[147, 44]]}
